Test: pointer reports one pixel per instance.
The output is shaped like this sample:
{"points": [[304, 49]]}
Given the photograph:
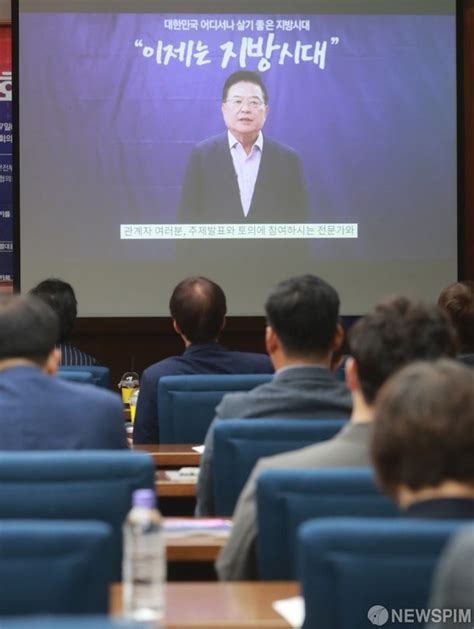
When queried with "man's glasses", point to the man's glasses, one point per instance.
{"points": [[252, 103]]}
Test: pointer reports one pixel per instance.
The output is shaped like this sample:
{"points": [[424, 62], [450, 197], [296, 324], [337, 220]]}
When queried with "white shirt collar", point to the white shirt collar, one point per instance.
{"points": [[233, 141]]}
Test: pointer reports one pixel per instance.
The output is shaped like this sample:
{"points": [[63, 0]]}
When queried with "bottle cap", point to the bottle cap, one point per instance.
{"points": [[144, 498]]}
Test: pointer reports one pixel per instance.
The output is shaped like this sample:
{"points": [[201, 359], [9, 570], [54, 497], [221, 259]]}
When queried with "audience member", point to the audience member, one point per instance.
{"points": [[423, 441], [302, 334], [458, 301], [198, 308], [39, 411], [395, 333], [454, 581], [62, 299]]}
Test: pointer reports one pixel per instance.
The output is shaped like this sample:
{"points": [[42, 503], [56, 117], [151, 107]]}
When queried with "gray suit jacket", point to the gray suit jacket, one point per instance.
{"points": [[454, 580], [349, 448], [307, 392]]}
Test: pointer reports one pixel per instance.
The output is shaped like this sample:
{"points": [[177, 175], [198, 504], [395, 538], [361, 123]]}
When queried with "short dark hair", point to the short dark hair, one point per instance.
{"points": [[249, 77], [304, 312], [60, 296], [397, 332], [424, 427], [458, 301], [28, 328], [198, 306]]}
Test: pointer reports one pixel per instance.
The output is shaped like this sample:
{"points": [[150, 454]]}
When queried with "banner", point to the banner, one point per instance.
{"points": [[6, 157]]}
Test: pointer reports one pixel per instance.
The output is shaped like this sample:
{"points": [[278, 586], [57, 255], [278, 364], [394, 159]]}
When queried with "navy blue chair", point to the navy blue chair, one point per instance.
{"points": [[77, 485], [351, 568], [286, 498], [340, 371], [70, 622], [54, 567], [74, 375], [100, 375], [186, 404], [239, 443]]}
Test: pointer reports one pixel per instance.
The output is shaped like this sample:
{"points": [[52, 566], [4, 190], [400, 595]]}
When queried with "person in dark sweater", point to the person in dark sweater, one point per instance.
{"points": [[198, 308]]}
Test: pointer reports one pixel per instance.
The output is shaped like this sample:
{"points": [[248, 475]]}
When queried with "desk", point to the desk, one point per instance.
{"points": [[236, 605], [205, 548], [193, 546], [171, 455], [166, 487]]}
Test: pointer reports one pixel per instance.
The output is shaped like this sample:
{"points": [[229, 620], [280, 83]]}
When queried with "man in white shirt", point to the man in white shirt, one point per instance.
{"points": [[242, 176]]}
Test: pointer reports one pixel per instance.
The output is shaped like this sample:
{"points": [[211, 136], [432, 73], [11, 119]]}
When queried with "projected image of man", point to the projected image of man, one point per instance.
{"points": [[242, 175]]}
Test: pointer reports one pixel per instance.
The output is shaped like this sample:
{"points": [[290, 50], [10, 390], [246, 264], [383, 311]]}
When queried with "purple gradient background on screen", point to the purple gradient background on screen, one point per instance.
{"points": [[376, 129]]}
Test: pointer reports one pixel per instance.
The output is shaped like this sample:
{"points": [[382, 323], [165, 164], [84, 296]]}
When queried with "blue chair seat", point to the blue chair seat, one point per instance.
{"points": [[77, 485], [54, 567], [69, 622], [76, 375], [186, 404], [239, 443], [286, 498], [100, 375], [351, 568]]}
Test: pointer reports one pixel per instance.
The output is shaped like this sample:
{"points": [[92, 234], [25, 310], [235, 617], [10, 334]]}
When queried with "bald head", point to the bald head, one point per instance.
{"points": [[198, 307]]}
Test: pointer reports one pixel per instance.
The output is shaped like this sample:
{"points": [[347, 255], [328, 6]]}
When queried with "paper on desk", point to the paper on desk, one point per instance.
{"points": [[292, 610], [183, 475], [199, 449], [184, 527]]}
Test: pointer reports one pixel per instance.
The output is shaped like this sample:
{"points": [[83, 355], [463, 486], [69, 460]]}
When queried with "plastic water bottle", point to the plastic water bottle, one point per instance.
{"points": [[144, 560]]}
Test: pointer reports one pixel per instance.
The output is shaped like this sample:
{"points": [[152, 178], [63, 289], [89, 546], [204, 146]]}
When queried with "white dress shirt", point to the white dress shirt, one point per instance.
{"points": [[246, 167]]}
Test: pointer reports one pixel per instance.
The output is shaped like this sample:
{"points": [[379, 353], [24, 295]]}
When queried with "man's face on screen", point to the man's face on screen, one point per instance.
{"points": [[244, 110]]}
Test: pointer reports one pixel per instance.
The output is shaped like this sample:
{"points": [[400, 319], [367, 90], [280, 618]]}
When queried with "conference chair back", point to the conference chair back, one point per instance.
{"points": [[286, 498], [187, 404], [76, 375], [100, 375], [70, 622], [360, 571], [74, 485], [340, 371], [239, 443], [54, 567]]}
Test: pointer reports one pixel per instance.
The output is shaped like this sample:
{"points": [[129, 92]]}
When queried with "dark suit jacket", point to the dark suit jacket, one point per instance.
{"points": [[42, 412], [211, 190], [199, 358]]}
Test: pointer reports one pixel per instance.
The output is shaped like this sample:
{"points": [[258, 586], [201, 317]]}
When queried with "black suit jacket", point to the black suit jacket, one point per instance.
{"points": [[211, 191]]}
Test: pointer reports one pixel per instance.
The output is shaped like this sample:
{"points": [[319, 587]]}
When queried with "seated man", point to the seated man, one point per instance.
{"points": [[62, 299], [423, 440], [395, 333], [458, 301], [37, 410], [198, 308], [303, 332]]}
